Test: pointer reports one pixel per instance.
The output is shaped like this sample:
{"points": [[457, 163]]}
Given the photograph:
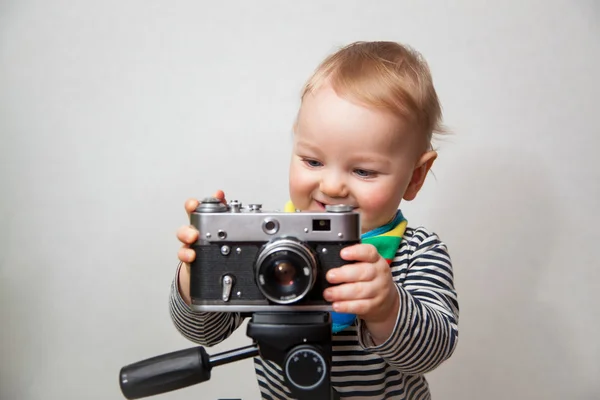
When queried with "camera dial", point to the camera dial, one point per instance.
{"points": [[339, 208], [255, 207], [285, 271], [305, 368], [235, 206], [211, 204]]}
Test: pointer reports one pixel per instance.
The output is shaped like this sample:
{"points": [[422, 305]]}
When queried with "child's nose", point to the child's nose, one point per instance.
{"points": [[333, 186]]}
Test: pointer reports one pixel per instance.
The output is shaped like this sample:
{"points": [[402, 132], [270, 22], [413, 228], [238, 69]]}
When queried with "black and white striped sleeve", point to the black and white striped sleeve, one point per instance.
{"points": [[203, 328], [426, 330]]}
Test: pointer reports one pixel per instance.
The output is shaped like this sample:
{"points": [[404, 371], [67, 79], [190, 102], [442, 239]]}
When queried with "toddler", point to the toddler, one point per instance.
{"points": [[362, 137]]}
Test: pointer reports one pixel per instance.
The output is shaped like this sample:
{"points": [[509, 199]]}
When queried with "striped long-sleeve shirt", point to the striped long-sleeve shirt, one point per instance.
{"points": [[425, 334]]}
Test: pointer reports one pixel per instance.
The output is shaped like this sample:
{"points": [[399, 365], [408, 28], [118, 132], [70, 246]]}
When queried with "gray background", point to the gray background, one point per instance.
{"points": [[113, 113]]}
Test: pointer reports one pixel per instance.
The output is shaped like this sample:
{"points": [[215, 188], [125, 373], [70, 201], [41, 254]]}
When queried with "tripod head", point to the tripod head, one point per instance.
{"points": [[299, 342]]}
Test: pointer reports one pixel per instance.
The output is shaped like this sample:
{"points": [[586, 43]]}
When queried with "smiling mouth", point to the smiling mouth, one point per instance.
{"points": [[323, 205]]}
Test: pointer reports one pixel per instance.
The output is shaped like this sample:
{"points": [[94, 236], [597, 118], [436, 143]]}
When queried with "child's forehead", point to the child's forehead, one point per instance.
{"points": [[326, 109], [351, 144], [341, 126]]}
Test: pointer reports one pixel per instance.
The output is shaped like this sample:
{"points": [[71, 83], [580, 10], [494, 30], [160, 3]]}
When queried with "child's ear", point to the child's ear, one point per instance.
{"points": [[419, 174]]}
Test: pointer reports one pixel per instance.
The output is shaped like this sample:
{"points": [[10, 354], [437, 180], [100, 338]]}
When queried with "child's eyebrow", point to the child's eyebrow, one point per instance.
{"points": [[371, 158], [381, 161], [307, 145]]}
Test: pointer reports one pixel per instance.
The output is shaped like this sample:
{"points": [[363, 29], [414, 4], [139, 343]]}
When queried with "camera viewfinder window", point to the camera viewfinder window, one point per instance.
{"points": [[321, 225]]}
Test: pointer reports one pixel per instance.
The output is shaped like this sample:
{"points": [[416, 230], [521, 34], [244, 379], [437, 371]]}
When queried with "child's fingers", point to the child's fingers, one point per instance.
{"points": [[351, 291], [186, 254], [187, 234], [352, 273], [360, 252], [358, 307], [219, 194], [190, 206]]}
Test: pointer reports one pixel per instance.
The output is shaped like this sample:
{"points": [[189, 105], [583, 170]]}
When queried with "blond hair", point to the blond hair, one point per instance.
{"points": [[385, 75]]}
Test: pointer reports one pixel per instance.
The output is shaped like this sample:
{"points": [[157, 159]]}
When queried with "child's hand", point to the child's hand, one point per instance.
{"points": [[366, 287], [187, 235]]}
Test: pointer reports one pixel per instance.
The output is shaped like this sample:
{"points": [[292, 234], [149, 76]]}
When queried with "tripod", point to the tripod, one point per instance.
{"points": [[299, 342]]}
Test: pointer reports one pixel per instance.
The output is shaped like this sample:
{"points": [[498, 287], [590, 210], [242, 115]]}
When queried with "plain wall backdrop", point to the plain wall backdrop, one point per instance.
{"points": [[113, 113]]}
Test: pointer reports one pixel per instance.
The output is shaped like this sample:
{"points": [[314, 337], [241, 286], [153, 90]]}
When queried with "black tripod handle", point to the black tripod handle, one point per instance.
{"points": [[175, 370], [165, 373]]}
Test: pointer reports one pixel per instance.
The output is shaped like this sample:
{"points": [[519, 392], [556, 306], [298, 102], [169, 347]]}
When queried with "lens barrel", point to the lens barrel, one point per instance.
{"points": [[285, 271]]}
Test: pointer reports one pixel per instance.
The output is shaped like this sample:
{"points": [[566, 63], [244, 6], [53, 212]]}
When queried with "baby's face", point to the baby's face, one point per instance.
{"points": [[346, 153]]}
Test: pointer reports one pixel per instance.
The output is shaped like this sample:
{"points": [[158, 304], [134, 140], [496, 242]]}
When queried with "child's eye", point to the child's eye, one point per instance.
{"points": [[363, 173], [312, 163]]}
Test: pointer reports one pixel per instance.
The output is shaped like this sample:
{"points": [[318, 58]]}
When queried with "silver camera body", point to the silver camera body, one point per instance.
{"points": [[249, 260]]}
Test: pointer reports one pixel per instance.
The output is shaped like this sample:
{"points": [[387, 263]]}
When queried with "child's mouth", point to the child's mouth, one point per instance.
{"points": [[323, 205]]}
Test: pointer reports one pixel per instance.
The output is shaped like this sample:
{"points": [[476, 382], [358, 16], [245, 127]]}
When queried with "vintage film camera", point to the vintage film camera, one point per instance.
{"points": [[270, 266], [250, 260]]}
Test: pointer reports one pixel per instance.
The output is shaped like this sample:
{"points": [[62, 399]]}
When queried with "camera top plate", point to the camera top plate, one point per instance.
{"points": [[219, 222]]}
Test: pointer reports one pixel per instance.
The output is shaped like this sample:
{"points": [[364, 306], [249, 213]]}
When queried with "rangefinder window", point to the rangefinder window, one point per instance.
{"points": [[321, 225]]}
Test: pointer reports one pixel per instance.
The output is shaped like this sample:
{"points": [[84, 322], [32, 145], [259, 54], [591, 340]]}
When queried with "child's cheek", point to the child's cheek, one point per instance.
{"points": [[377, 206], [300, 189], [373, 203]]}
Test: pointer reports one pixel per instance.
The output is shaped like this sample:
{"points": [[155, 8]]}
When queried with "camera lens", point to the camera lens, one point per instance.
{"points": [[285, 271]]}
